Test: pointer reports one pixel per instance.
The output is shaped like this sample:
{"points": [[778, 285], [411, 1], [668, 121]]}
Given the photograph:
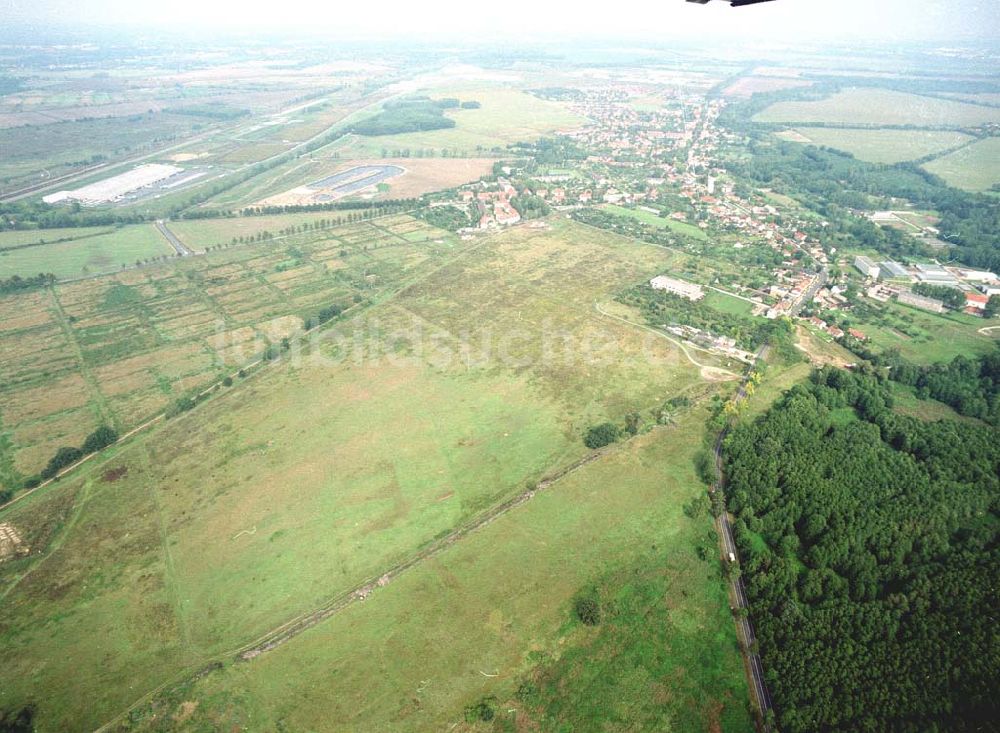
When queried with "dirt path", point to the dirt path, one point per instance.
{"points": [[290, 629], [708, 373]]}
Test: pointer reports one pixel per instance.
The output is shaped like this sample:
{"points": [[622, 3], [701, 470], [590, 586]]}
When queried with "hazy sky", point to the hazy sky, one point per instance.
{"points": [[785, 19]]}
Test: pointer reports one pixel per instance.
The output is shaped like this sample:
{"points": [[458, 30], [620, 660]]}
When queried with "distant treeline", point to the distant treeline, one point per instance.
{"points": [[831, 182], [412, 114], [16, 283], [210, 111]]}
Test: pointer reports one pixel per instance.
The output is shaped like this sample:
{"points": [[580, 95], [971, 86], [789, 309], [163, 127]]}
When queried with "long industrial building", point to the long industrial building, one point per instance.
{"points": [[691, 291], [114, 188]]}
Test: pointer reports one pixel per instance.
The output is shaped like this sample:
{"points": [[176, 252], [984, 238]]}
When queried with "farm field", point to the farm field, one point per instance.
{"points": [[87, 254], [16, 238], [974, 168], [120, 348], [382, 433], [884, 146], [506, 116], [661, 222], [506, 595], [201, 233], [862, 106]]}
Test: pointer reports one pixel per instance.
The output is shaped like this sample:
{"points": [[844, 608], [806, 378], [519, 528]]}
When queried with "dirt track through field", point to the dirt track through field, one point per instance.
{"points": [[290, 629]]}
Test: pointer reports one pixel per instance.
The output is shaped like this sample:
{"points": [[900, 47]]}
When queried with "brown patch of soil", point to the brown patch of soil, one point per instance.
{"points": [[113, 474]]}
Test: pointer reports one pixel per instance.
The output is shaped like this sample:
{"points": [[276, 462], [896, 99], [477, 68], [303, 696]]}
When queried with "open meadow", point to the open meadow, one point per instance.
{"points": [[883, 146], [928, 337], [863, 106], [506, 115], [661, 222], [471, 380], [94, 252], [974, 168], [491, 617]]}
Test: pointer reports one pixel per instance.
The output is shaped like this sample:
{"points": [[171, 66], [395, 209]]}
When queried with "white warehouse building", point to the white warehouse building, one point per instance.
{"points": [[114, 188], [691, 291], [867, 267]]}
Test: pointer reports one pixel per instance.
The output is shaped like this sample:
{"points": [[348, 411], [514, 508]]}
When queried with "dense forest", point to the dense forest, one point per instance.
{"points": [[870, 553]]}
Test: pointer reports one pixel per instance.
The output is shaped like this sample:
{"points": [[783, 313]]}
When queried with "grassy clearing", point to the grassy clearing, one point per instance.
{"points": [[88, 255], [881, 107], [907, 403], [727, 303], [42, 236], [937, 337], [323, 472], [884, 146], [506, 593], [647, 217], [975, 168]]}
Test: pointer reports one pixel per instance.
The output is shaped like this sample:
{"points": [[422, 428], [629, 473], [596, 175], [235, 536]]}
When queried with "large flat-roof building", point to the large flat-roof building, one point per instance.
{"points": [[867, 267], [691, 291], [908, 297], [935, 275], [116, 187], [894, 270]]}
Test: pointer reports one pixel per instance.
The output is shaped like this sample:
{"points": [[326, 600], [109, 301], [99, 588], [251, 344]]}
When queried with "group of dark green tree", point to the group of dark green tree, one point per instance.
{"points": [[663, 309], [969, 385], [871, 558], [412, 114]]}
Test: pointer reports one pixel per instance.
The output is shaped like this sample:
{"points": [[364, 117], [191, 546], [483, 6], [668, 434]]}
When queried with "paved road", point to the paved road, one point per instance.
{"points": [[177, 244], [725, 528], [729, 547]]}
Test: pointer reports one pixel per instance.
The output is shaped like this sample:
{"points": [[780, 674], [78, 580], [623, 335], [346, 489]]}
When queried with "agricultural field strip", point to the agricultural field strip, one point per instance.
{"points": [[97, 396], [226, 313], [252, 369]]}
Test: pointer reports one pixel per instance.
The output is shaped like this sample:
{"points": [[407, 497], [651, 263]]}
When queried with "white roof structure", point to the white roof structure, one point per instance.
{"points": [[114, 188]]}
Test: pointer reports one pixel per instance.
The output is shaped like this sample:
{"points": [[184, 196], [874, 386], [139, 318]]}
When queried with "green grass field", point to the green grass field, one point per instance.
{"points": [[727, 303], [505, 116], [881, 107], [493, 614], [907, 403], [974, 168], [884, 146], [200, 233], [661, 222], [86, 255], [17, 238], [392, 430]]}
